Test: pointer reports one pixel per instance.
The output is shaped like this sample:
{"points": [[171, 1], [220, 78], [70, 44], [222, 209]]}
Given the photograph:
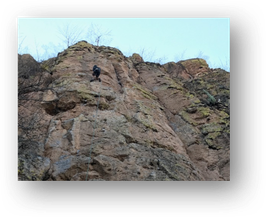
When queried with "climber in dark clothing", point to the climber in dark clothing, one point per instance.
{"points": [[96, 72]]}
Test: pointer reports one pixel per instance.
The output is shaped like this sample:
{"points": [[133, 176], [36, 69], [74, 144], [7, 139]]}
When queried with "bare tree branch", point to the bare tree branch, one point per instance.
{"points": [[98, 36], [37, 51], [146, 54], [20, 43], [69, 33]]}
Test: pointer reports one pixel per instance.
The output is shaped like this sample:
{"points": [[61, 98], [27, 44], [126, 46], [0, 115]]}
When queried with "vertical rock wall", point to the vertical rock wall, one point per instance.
{"points": [[144, 121]]}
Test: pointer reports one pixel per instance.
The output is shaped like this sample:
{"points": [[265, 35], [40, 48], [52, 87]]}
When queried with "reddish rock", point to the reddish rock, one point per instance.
{"points": [[144, 121]]}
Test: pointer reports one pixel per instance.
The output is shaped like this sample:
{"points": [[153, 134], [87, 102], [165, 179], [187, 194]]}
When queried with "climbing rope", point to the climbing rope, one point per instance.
{"points": [[93, 134]]}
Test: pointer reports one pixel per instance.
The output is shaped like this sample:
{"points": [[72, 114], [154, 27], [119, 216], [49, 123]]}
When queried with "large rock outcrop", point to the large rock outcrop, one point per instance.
{"points": [[144, 121]]}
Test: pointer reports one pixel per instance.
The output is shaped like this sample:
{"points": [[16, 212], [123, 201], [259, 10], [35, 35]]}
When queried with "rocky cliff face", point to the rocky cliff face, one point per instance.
{"points": [[144, 121]]}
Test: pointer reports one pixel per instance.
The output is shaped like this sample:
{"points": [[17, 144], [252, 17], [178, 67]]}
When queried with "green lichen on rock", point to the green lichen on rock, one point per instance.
{"points": [[71, 52], [196, 101], [185, 115], [172, 86], [45, 67], [103, 105], [20, 167], [146, 93], [213, 135], [189, 95], [201, 62], [86, 95], [63, 83], [81, 45], [143, 108], [227, 130], [212, 144], [210, 128], [210, 140], [148, 122], [212, 131], [48, 65], [225, 121], [170, 170], [79, 57], [224, 115], [111, 53], [224, 118], [145, 120], [225, 92], [175, 84], [204, 111]]}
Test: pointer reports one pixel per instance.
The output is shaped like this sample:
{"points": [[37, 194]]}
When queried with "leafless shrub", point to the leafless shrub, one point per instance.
{"points": [[69, 33], [98, 36], [180, 56], [147, 54]]}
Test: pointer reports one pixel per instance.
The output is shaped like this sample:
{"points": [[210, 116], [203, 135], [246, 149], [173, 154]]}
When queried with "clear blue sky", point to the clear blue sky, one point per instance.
{"points": [[160, 39]]}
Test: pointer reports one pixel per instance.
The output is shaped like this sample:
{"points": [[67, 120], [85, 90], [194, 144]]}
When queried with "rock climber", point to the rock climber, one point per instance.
{"points": [[96, 73]]}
